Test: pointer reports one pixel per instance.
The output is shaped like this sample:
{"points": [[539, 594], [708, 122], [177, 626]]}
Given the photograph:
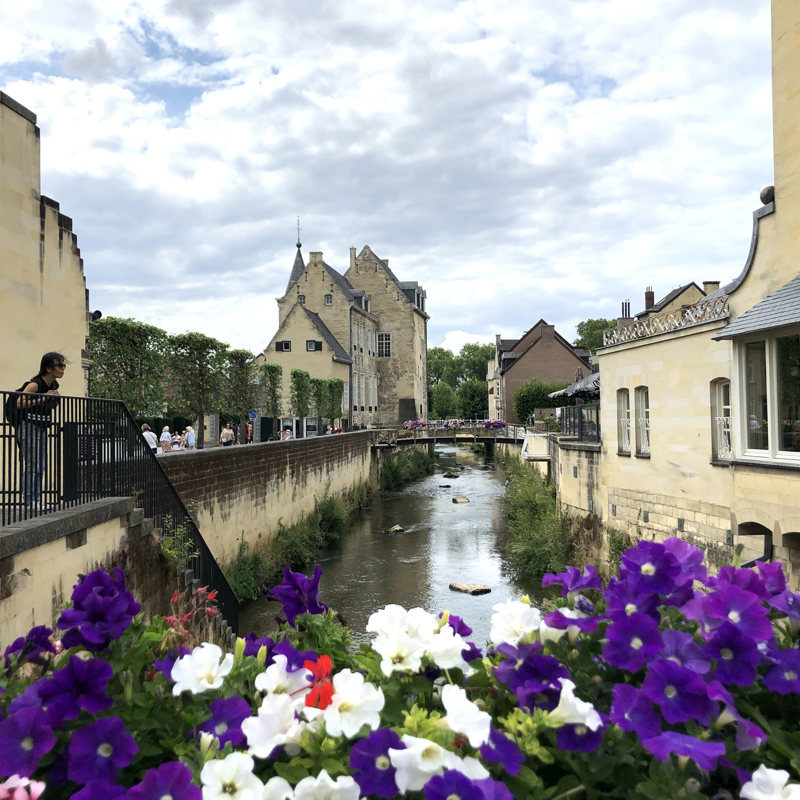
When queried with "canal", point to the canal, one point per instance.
{"points": [[442, 542]]}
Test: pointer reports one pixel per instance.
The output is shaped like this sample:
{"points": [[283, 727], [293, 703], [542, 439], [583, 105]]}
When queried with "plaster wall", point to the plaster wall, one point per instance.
{"points": [[41, 271]]}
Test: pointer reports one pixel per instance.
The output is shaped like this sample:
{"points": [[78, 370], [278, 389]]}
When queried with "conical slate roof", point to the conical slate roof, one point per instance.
{"points": [[297, 268]]}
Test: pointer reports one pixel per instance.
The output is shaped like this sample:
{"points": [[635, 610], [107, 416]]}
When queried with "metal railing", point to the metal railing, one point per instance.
{"points": [[581, 421], [74, 450]]}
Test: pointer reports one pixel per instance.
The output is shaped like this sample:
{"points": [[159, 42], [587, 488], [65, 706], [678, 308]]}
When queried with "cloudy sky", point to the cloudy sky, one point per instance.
{"points": [[520, 159]]}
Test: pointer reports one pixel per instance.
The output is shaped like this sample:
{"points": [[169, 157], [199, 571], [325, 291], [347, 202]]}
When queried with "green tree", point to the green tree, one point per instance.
{"points": [[270, 378], [334, 393], [441, 367], [441, 401], [472, 361], [590, 333], [241, 394], [534, 394], [317, 401], [128, 363], [472, 398], [300, 392], [197, 367]]}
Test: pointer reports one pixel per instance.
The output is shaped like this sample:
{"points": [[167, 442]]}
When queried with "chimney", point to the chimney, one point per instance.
{"points": [[315, 258], [710, 286], [626, 309], [352, 258], [649, 298]]}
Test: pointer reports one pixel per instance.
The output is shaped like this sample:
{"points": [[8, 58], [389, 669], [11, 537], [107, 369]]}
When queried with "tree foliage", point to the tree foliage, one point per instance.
{"points": [[472, 361], [442, 367], [241, 394], [472, 398], [128, 363], [300, 392], [317, 401], [269, 389], [334, 393], [197, 366], [534, 394], [442, 401], [590, 333]]}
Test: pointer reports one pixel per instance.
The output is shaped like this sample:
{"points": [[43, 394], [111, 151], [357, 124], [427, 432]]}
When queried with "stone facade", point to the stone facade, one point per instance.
{"points": [[45, 301], [365, 327]]}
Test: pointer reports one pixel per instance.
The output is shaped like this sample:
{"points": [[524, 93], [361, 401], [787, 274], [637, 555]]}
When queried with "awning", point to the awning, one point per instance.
{"points": [[587, 387]]}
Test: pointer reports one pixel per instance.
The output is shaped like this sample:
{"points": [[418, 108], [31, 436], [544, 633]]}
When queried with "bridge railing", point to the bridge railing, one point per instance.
{"points": [[74, 450], [448, 428]]}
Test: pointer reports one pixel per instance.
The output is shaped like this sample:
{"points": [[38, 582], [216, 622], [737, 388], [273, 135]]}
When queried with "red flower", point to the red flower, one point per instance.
{"points": [[321, 687]]}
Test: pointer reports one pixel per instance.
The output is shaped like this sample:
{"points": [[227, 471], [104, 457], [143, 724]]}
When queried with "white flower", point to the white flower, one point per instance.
{"points": [[463, 716], [513, 621], [420, 761], [276, 679], [201, 669], [389, 618], [472, 768], [276, 725], [770, 784], [399, 652], [323, 787], [278, 788], [445, 649], [354, 704], [416, 623], [572, 710], [231, 778]]}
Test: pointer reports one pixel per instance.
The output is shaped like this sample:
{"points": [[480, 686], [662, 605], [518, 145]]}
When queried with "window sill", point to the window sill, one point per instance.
{"points": [[720, 462], [625, 453], [643, 455], [776, 465]]}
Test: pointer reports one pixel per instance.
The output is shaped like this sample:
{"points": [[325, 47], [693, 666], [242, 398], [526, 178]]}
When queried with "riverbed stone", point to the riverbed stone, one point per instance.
{"points": [[459, 498], [470, 588], [444, 485], [396, 529], [450, 475]]}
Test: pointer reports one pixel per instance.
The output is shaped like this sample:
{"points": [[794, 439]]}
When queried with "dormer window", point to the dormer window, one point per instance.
{"points": [[328, 299], [301, 298]]}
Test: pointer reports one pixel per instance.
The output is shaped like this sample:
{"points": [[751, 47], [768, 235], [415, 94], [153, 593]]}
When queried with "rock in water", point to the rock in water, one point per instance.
{"points": [[444, 485], [459, 498], [449, 475], [396, 529], [470, 588]]}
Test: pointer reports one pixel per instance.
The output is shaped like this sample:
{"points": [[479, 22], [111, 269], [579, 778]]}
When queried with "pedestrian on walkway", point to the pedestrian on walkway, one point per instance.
{"points": [[166, 440], [150, 438], [226, 437]]}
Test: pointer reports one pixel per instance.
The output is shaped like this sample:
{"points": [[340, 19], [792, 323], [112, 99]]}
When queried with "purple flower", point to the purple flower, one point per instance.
{"points": [[369, 760], [494, 790], [788, 602], [458, 625], [633, 712], [748, 734], [784, 677], [704, 754], [82, 683], [28, 699], [294, 658], [531, 675], [557, 619], [680, 693], [99, 749], [107, 790], [737, 655], [299, 594], [746, 579], [624, 599], [226, 720], [172, 779], [632, 641], [252, 644], [650, 567], [773, 577], [452, 784], [573, 580], [731, 604], [690, 559], [35, 648], [102, 609], [471, 653], [681, 648], [24, 738], [502, 750], [578, 738]]}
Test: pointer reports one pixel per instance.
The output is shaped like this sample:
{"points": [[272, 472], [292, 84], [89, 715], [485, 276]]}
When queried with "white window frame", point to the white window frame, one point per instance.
{"points": [[328, 299], [642, 406], [721, 420], [741, 378], [384, 344], [301, 298], [623, 421]]}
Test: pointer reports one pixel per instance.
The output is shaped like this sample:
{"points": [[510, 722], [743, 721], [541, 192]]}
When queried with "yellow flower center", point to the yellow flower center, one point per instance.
{"points": [[790, 676], [734, 617], [630, 609], [105, 750], [670, 692], [382, 762], [27, 743], [648, 569], [726, 653], [636, 643]]}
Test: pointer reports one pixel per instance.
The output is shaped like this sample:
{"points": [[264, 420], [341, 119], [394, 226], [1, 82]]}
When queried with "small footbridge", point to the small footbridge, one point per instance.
{"points": [[445, 431]]}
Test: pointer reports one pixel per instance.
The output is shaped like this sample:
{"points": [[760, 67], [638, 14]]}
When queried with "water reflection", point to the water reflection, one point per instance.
{"points": [[442, 542]]}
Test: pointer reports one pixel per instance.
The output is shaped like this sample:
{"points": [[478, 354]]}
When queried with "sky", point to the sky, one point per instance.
{"points": [[519, 159]]}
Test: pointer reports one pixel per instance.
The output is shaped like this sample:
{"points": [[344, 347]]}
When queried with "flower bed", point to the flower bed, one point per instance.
{"points": [[497, 424], [666, 683], [414, 424]]}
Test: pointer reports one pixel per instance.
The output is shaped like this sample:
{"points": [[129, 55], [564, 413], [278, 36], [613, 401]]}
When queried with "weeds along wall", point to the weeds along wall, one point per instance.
{"points": [[248, 492]]}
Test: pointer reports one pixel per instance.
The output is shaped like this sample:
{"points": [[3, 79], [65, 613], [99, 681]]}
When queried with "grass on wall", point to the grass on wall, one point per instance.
{"points": [[405, 466], [294, 546]]}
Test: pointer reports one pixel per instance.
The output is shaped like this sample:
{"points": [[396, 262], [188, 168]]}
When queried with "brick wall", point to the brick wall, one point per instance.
{"points": [[249, 491]]}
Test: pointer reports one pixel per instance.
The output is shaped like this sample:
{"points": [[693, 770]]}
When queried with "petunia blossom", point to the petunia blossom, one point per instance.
{"points": [[172, 779], [17, 788], [704, 754], [372, 768], [275, 725], [354, 704], [25, 736], [452, 784], [464, 717], [323, 787], [225, 722], [514, 622], [231, 778], [680, 693], [299, 594], [572, 710], [99, 750], [770, 784], [203, 669], [419, 761], [278, 678]]}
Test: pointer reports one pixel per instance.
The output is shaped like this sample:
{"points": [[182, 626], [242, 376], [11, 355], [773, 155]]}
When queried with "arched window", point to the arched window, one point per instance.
{"points": [[623, 421]]}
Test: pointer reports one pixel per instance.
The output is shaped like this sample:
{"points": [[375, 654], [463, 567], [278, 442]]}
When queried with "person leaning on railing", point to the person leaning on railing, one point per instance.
{"points": [[36, 403]]}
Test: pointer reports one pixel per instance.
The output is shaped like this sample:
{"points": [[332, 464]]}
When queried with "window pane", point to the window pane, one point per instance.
{"points": [[789, 391], [756, 388]]}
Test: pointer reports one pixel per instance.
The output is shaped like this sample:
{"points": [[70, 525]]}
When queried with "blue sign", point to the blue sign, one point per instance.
{"points": [[252, 413]]}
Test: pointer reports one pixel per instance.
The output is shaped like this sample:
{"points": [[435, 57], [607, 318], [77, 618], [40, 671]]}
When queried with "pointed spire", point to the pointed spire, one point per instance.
{"points": [[298, 266]]}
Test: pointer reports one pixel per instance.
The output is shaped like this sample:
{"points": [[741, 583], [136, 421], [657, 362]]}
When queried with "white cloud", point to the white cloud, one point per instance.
{"points": [[521, 161]]}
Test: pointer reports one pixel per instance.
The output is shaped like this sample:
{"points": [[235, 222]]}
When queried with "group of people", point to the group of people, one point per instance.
{"points": [[170, 441], [229, 435]]}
